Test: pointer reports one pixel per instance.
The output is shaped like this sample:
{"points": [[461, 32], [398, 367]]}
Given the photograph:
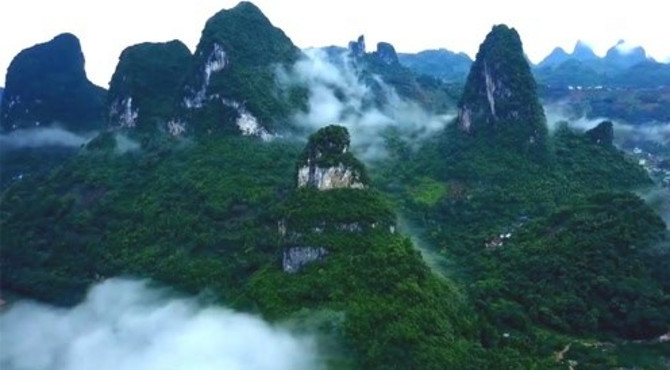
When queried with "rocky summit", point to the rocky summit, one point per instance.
{"points": [[499, 100], [47, 84], [327, 163], [357, 48]]}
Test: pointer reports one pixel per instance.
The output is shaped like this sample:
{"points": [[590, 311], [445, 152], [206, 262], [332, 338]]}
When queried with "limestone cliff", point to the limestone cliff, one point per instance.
{"points": [[327, 164]]}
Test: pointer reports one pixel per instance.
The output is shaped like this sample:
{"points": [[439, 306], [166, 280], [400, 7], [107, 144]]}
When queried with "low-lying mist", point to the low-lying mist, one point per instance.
{"points": [[659, 200], [338, 95], [123, 144], [43, 136], [124, 324], [656, 132]]}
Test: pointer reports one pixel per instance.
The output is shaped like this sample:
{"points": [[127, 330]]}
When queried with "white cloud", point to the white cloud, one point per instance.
{"points": [[124, 144], [657, 132], [124, 324], [337, 95], [45, 136]]}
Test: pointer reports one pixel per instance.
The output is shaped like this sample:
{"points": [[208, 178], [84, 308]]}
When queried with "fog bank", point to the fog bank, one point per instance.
{"points": [[126, 325]]}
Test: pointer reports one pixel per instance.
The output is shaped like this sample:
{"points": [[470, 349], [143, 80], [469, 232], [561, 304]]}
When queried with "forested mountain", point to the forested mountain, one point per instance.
{"points": [[47, 83], [145, 87], [489, 243]]}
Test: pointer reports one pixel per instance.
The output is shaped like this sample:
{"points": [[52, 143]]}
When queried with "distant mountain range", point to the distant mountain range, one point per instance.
{"points": [[620, 67], [440, 63], [616, 56]]}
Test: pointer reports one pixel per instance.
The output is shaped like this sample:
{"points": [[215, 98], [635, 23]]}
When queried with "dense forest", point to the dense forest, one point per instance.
{"points": [[550, 260]]}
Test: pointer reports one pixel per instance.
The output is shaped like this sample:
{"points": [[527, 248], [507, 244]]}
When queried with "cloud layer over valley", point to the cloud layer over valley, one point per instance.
{"points": [[126, 325]]}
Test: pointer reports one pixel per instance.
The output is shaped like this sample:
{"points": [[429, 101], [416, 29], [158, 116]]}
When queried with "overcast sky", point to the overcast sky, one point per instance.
{"points": [[106, 27]]}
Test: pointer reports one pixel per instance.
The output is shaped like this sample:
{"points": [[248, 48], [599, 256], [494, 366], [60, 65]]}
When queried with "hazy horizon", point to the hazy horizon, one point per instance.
{"points": [[106, 28]]}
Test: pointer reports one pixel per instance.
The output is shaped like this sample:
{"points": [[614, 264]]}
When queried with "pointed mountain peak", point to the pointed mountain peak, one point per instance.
{"points": [[556, 57], [625, 55], [233, 67], [245, 33], [626, 48], [500, 98], [357, 48], [583, 51]]}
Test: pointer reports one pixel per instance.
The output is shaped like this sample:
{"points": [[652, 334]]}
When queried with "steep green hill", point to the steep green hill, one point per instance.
{"points": [[144, 91], [499, 104], [47, 83], [231, 86]]}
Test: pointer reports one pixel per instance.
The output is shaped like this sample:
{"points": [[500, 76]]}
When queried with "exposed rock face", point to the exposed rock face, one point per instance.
{"points": [[231, 84], [603, 134], [47, 83], [146, 85], [246, 122], [328, 178], [326, 163], [357, 48], [500, 99], [216, 62], [295, 258], [386, 53], [122, 112]]}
